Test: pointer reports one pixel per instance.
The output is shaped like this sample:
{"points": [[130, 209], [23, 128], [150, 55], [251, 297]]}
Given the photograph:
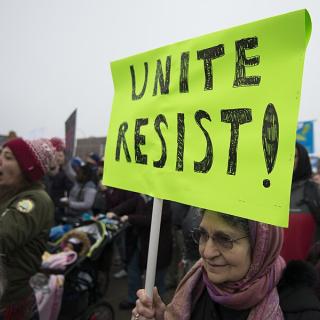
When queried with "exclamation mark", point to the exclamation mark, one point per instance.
{"points": [[270, 139]]}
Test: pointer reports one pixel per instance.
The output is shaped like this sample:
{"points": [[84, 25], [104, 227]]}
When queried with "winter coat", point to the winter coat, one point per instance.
{"points": [[81, 199], [115, 196], [191, 221], [25, 222], [296, 288], [57, 186], [139, 211], [179, 213]]}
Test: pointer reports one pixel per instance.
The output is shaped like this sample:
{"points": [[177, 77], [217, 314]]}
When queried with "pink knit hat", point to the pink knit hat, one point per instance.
{"points": [[58, 144], [33, 156]]}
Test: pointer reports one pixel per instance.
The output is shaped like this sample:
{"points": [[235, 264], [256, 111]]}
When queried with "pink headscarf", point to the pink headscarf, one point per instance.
{"points": [[258, 289]]}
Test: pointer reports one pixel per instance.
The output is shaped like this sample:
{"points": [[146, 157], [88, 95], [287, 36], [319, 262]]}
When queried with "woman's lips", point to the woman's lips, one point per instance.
{"points": [[215, 265]]}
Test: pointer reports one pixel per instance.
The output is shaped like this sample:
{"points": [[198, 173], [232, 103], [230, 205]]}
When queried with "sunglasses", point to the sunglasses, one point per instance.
{"points": [[222, 241]]}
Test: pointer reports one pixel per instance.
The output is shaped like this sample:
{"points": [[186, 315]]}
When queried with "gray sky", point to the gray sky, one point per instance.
{"points": [[55, 55]]}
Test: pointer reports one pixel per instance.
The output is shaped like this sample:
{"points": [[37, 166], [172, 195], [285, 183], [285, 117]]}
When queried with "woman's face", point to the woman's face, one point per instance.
{"points": [[10, 172], [224, 265]]}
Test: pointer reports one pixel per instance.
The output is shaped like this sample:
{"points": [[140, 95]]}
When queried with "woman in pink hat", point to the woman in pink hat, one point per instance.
{"points": [[26, 216]]}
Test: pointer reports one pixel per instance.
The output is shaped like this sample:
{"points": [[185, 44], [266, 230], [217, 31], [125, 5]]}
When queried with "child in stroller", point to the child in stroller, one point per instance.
{"points": [[81, 258]]}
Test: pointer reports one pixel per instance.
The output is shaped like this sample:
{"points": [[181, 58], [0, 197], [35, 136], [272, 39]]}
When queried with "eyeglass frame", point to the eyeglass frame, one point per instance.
{"points": [[213, 238]]}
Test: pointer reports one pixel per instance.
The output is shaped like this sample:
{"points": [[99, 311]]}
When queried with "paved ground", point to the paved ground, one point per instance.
{"points": [[117, 291]]}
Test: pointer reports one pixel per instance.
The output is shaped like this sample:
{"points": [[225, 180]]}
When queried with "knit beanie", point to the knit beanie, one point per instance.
{"points": [[58, 144], [33, 156], [94, 157], [76, 162]]}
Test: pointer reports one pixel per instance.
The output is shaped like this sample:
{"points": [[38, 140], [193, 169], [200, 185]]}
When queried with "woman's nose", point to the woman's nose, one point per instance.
{"points": [[210, 249]]}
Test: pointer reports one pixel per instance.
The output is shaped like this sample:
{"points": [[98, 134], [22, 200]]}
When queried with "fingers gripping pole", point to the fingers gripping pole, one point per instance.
{"points": [[153, 245]]}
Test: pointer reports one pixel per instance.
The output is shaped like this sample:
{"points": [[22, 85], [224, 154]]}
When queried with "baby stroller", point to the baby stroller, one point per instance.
{"points": [[83, 294]]}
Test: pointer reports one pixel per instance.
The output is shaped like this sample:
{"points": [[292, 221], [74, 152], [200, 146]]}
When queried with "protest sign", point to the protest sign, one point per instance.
{"points": [[305, 135], [211, 121], [70, 134]]}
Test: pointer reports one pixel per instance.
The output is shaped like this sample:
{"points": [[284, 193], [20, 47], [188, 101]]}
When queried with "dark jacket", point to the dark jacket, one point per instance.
{"points": [[139, 211], [191, 221], [25, 222], [179, 213], [57, 186], [115, 196], [298, 300]]}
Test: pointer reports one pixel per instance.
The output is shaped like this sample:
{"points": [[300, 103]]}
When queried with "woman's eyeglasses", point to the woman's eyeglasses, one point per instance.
{"points": [[222, 241]]}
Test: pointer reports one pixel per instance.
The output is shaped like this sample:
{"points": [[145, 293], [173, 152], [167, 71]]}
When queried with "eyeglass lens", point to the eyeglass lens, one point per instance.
{"points": [[201, 236]]}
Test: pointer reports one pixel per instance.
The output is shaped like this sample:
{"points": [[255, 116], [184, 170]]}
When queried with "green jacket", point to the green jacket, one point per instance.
{"points": [[25, 222]]}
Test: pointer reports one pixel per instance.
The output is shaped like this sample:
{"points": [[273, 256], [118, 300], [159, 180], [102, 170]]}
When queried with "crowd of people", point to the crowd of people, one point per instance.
{"points": [[221, 266]]}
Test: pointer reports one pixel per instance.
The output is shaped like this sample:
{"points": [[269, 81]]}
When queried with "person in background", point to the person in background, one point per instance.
{"points": [[191, 252], [314, 259], [12, 135], [82, 195], [93, 159], [175, 270], [100, 204], [58, 185], [240, 275], [26, 216], [304, 215], [72, 167], [115, 251], [137, 212], [111, 198], [316, 175]]}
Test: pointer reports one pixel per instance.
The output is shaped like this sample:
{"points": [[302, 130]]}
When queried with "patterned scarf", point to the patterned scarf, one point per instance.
{"points": [[258, 289]]}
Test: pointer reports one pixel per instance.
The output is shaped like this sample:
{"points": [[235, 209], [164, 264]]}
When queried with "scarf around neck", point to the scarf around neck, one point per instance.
{"points": [[258, 289]]}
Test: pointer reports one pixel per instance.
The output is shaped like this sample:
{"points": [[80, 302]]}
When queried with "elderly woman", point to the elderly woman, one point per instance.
{"points": [[240, 276]]}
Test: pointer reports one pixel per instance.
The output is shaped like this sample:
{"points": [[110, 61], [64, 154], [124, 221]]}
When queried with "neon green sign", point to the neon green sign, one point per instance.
{"points": [[211, 121]]}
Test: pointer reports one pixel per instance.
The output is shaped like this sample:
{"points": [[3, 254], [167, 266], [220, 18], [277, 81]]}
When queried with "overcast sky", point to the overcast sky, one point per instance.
{"points": [[55, 55]]}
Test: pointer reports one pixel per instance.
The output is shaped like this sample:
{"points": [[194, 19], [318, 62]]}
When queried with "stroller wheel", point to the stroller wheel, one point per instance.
{"points": [[100, 311]]}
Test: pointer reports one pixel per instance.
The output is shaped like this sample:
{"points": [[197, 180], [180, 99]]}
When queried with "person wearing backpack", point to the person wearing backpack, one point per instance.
{"points": [[303, 229]]}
